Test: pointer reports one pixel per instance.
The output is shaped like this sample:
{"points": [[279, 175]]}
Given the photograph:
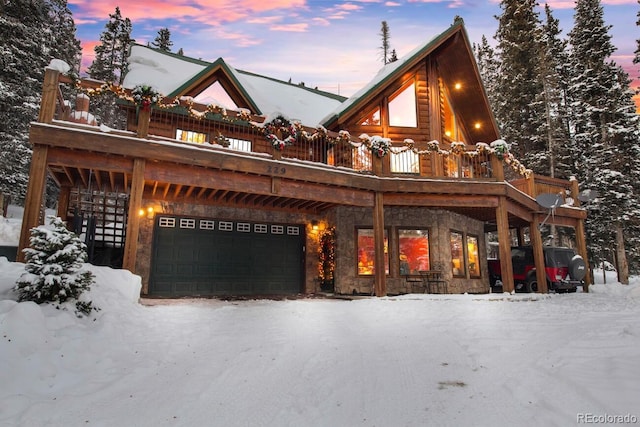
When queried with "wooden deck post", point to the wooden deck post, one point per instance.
{"points": [[133, 221], [63, 202], [35, 194], [504, 240], [49, 96], [378, 237], [581, 246], [538, 255]]}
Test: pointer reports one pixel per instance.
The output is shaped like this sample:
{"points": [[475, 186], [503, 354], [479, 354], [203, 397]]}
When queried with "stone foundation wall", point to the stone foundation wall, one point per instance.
{"points": [[439, 223]]}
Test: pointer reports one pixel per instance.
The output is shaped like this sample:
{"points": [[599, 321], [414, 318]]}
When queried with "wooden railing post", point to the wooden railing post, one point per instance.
{"points": [[144, 117], [497, 167], [531, 185], [49, 95]]}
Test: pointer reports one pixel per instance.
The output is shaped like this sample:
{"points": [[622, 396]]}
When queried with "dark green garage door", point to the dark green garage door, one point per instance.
{"points": [[194, 256]]}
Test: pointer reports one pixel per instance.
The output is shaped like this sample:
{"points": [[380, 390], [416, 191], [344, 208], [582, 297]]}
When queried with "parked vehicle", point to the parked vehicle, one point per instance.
{"points": [[565, 270]]}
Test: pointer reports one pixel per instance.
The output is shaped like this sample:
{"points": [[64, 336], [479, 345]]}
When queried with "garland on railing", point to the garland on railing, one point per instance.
{"points": [[281, 132]]}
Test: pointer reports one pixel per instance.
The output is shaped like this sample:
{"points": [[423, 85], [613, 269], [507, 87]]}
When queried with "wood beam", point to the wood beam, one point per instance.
{"points": [[133, 222], [538, 254], [504, 240], [33, 200], [380, 285]]}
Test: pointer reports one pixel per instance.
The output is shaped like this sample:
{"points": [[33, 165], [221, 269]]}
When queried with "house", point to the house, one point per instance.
{"points": [[226, 182]]}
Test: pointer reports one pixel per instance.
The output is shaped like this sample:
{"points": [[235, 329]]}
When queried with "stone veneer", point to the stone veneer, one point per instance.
{"points": [[145, 237], [346, 219], [439, 223]]}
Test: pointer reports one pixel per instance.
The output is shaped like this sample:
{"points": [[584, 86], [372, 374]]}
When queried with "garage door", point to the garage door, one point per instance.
{"points": [[199, 257]]}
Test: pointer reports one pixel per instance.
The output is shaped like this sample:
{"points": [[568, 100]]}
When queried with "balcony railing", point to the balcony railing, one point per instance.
{"points": [[187, 122]]}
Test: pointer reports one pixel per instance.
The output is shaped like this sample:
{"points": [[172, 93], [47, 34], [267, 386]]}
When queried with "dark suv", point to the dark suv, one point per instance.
{"points": [[564, 267]]}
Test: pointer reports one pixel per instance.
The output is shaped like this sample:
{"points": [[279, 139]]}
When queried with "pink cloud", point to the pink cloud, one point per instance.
{"points": [[295, 28]]}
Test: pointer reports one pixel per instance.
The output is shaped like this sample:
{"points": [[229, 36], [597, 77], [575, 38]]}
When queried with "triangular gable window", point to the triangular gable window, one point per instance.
{"points": [[402, 107], [216, 95], [372, 119]]}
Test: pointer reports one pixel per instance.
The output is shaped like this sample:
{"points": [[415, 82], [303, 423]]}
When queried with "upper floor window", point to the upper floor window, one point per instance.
{"points": [[191, 136], [372, 119], [239, 144], [402, 107], [216, 95]]}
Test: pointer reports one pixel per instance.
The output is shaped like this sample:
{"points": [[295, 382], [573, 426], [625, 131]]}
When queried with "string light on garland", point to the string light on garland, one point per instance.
{"points": [[281, 132]]}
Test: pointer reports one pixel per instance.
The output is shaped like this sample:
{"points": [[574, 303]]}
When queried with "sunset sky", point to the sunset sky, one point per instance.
{"points": [[332, 45]]}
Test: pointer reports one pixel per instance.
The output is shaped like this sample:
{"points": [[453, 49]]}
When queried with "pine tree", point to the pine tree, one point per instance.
{"points": [[163, 40], [111, 65], [31, 34], [605, 129], [384, 34], [555, 78], [636, 58], [53, 269], [394, 56], [520, 111], [488, 65]]}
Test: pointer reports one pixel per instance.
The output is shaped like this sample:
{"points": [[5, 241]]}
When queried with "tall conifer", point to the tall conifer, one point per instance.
{"points": [[605, 129], [520, 110]]}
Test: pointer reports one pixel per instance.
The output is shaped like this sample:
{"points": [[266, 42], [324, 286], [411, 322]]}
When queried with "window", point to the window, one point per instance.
{"points": [[457, 255], [373, 119], [472, 256], [216, 95], [190, 136], [402, 107], [366, 252], [239, 144], [405, 162], [448, 120], [413, 251]]}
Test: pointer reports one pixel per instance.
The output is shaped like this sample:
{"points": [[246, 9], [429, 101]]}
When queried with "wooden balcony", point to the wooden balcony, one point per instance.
{"points": [[321, 169]]}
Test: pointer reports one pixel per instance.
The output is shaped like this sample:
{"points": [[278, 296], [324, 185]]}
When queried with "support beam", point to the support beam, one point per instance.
{"points": [[35, 193], [133, 221], [378, 237], [502, 222], [538, 254], [581, 246], [63, 202]]}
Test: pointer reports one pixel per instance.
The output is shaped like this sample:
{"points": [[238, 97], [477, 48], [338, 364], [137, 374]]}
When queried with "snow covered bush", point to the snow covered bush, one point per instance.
{"points": [[54, 267]]}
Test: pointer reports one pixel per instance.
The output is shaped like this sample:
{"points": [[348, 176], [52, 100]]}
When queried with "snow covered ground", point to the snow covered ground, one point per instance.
{"points": [[414, 360]]}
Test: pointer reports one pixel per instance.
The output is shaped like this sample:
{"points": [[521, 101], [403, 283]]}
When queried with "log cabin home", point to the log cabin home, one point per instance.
{"points": [[225, 182]]}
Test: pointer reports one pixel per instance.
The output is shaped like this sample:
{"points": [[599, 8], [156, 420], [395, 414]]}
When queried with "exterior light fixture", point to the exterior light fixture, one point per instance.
{"points": [[477, 125], [457, 86]]}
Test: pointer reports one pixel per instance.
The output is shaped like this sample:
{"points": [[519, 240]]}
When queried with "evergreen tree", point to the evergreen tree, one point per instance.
{"points": [[394, 56], [555, 78], [384, 34], [605, 129], [520, 110], [111, 65], [31, 34], [53, 269], [488, 65], [180, 52], [163, 40], [636, 58]]}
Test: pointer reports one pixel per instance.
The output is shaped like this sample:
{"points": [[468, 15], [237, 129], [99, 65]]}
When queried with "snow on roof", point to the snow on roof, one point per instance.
{"points": [[386, 71], [167, 72]]}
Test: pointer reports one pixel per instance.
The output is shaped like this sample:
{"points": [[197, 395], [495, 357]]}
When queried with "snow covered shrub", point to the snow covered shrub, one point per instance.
{"points": [[54, 267]]}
